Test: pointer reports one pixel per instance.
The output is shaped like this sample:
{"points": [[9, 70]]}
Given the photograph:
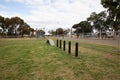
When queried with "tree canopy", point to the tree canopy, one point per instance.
{"points": [[83, 27], [59, 32], [98, 20], [103, 21], [14, 26], [113, 8]]}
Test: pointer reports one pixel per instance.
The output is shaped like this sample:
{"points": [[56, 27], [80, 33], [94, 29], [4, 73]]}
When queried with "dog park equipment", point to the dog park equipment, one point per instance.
{"points": [[64, 45], [50, 42], [76, 49], [60, 45], [69, 47]]}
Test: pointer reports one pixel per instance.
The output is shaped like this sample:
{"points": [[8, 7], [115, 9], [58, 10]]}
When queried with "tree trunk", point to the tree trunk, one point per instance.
{"points": [[114, 34], [100, 36]]}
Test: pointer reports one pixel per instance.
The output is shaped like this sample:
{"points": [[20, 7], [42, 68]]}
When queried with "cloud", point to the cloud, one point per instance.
{"points": [[57, 13]]}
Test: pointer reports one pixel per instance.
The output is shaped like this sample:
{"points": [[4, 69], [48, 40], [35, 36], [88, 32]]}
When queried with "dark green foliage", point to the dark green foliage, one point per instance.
{"points": [[113, 7], [59, 32], [82, 27], [14, 26]]}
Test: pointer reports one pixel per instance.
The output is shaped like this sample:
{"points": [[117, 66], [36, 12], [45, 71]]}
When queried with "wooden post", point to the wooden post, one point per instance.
{"points": [[69, 47], [60, 44], [76, 49], [57, 42], [64, 45]]}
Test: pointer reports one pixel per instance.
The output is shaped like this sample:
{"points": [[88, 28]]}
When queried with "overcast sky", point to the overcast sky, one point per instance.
{"points": [[50, 14]]}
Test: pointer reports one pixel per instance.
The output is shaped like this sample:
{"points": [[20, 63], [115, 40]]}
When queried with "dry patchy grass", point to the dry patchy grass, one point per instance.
{"points": [[33, 59]]}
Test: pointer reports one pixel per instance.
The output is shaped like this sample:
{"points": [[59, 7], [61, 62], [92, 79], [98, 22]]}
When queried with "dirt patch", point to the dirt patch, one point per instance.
{"points": [[110, 42]]}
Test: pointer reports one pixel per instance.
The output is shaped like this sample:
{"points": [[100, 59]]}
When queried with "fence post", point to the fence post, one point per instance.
{"points": [[60, 44], [69, 47], [64, 45], [76, 49], [57, 42]]}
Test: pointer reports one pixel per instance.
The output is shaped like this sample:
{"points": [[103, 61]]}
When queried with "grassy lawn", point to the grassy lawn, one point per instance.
{"points": [[32, 59]]}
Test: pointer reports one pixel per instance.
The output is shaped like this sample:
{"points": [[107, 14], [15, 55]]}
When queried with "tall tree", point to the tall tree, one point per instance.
{"points": [[60, 31], [2, 24], [82, 27], [40, 33], [16, 22], [14, 26], [66, 31], [98, 21], [52, 32], [113, 8], [8, 25], [24, 29]]}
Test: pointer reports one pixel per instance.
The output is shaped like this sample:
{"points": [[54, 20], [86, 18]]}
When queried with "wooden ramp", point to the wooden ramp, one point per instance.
{"points": [[50, 42]]}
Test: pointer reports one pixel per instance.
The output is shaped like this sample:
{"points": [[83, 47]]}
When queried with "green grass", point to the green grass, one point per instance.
{"points": [[32, 59]]}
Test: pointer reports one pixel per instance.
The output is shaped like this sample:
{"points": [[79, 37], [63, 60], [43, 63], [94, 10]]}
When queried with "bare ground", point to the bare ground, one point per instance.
{"points": [[110, 42]]}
